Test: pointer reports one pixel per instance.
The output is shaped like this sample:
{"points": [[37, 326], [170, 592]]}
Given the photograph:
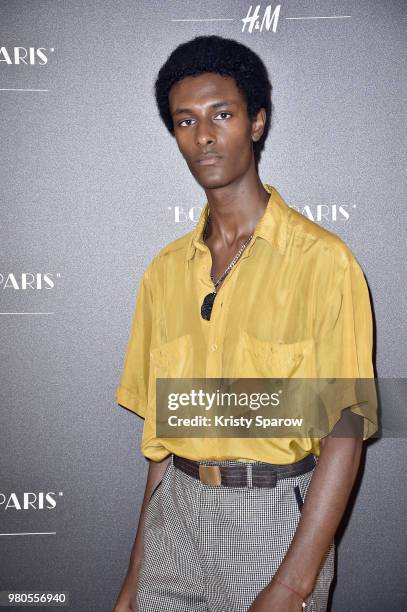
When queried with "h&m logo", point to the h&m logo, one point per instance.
{"points": [[268, 20]]}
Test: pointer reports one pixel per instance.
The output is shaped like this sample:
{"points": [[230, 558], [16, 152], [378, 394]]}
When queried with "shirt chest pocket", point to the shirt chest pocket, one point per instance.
{"points": [[265, 359], [173, 359]]}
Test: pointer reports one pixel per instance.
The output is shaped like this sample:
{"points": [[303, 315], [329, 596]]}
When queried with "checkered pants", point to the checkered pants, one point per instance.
{"points": [[211, 548]]}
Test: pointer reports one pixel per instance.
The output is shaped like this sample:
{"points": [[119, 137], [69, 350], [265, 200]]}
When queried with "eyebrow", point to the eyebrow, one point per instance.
{"points": [[178, 111]]}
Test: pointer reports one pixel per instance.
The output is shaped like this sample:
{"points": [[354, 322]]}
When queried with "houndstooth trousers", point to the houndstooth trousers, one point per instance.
{"points": [[211, 548]]}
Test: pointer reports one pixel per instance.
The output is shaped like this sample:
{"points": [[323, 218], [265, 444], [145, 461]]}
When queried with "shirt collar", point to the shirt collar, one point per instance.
{"points": [[272, 226]]}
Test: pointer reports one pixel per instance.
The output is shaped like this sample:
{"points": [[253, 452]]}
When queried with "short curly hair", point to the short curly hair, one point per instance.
{"points": [[223, 56]]}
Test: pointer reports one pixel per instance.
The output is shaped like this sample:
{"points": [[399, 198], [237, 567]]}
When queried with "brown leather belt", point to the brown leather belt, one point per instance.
{"points": [[262, 474]]}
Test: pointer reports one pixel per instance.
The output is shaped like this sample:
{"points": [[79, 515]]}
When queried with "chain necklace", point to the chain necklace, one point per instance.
{"points": [[207, 304]]}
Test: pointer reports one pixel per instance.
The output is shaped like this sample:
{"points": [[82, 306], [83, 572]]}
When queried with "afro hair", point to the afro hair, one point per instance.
{"points": [[223, 56]]}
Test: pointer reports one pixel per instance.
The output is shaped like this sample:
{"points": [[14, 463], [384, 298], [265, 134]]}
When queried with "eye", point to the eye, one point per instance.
{"points": [[183, 121], [225, 113]]}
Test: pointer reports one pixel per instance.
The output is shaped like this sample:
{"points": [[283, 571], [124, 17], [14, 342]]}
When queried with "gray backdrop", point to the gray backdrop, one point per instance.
{"points": [[92, 186]]}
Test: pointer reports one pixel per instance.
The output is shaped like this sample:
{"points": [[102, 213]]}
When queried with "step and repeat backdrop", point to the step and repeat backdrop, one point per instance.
{"points": [[93, 186]]}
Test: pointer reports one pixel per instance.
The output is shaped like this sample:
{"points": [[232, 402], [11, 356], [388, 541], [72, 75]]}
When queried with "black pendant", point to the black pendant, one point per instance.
{"points": [[207, 304]]}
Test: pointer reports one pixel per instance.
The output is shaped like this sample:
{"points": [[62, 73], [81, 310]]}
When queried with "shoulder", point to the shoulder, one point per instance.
{"points": [[179, 245], [171, 253], [331, 263], [324, 245]]}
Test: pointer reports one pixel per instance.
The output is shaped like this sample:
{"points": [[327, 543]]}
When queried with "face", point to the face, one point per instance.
{"points": [[212, 128]]}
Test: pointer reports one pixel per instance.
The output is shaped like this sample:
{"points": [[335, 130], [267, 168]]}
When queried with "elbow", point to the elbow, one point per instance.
{"points": [[345, 446]]}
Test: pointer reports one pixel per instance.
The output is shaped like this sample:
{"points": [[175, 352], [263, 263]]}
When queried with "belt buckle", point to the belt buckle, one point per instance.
{"points": [[210, 474]]}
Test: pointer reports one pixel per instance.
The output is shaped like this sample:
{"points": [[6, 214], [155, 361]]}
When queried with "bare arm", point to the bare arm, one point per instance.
{"points": [[125, 601], [324, 504], [321, 514]]}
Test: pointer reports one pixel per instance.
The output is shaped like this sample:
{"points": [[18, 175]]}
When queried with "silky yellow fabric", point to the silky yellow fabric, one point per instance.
{"points": [[296, 304]]}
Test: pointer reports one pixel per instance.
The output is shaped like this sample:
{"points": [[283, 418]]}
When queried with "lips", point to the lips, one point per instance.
{"points": [[208, 160]]}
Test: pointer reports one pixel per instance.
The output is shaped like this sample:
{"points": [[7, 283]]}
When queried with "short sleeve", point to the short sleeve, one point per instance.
{"points": [[132, 393], [344, 341]]}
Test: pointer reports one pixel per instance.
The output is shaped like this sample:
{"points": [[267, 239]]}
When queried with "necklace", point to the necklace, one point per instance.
{"points": [[207, 304]]}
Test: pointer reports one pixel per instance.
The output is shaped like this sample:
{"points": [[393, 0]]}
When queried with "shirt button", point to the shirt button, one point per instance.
{"points": [[214, 347]]}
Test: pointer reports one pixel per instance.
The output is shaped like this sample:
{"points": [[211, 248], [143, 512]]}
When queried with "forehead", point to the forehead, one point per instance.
{"points": [[203, 88]]}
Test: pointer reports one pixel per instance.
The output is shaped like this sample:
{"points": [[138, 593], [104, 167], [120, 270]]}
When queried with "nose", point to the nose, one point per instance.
{"points": [[205, 133]]}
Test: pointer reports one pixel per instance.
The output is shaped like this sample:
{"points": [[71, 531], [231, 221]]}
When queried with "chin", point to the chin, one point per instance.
{"points": [[212, 180]]}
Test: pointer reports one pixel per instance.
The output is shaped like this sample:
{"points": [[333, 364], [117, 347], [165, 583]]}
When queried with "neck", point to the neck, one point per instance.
{"points": [[234, 211]]}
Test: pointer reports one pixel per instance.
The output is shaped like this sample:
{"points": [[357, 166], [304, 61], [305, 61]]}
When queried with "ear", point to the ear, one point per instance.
{"points": [[258, 124]]}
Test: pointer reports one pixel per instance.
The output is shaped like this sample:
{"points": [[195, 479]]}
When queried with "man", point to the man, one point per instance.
{"points": [[256, 290]]}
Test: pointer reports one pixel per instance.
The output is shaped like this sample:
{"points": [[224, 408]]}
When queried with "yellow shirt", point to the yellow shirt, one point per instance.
{"points": [[296, 304]]}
